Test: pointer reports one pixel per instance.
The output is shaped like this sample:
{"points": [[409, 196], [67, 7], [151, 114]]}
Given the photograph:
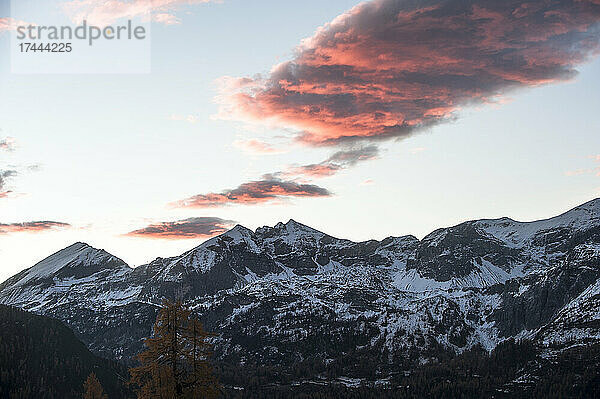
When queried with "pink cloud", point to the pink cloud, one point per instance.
{"points": [[269, 189], [337, 162], [256, 147], [31, 227], [106, 12], [280, 186], [166, 19], [387, 68], [8, 24], [578, 172], [191, 228], [313, 170]]}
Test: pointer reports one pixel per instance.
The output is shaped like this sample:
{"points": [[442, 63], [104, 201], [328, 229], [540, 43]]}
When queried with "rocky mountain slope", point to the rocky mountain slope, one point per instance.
{"points": [[289, 294]]}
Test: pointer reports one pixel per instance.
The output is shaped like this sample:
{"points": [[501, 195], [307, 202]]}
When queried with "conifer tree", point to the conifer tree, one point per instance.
{"points": [[175, 363], [92, 389]]}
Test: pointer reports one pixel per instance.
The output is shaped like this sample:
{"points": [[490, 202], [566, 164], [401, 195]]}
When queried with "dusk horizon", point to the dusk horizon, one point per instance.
{"points": [[165, 231]]}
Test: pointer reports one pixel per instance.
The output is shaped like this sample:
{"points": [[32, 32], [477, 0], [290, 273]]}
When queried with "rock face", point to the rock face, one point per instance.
{"points": [[285, 294]]}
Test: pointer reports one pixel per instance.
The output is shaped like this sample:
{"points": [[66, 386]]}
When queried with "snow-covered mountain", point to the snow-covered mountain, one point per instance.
{"points": [[288, 293]]}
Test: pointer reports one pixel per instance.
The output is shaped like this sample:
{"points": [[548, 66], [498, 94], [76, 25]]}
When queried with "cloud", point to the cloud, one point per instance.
{"points": [[5, 24], [355, 155], [340, 160], [106, 12], [594, 170], [286, 184], [269, 189], [256, 147], [4, 175], [8, 144], [166, 19], [313, 170], [31, 227], [198, 227], [390, 68], [8, 24]]}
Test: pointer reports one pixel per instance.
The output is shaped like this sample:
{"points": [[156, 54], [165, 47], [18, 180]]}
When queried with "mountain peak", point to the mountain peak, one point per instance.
{"points": [[240, 228], [293, 225], [76, 256], [238, 231], [240, 234], [78, 245]]}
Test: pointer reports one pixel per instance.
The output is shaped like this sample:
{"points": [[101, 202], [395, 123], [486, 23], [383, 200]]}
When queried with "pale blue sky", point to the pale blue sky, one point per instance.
{"points": [[112, 157]]}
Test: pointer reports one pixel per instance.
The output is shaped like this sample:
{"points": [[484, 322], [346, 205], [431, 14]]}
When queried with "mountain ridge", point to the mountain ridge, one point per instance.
{"points": [[287, 293], [589, 206]]}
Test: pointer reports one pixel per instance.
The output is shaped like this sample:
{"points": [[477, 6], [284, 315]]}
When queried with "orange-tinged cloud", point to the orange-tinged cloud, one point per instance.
{"points": [[191, 228], [389, 68], [290, 183], [337, 162], [269, 189], [31, 227], [166, 19], [106, 12], [8, 24], [313, 170], [256, 147], [579, 172]]}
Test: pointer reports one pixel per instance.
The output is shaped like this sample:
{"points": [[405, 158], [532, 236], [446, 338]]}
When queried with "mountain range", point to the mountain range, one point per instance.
{"points": [[289, 294]]}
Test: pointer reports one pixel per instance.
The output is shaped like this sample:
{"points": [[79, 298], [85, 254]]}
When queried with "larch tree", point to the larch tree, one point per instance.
{"points": [[175, 364], [92, 389]]}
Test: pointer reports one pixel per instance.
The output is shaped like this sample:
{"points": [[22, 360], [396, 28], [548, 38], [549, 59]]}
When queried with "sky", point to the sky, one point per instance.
{"points": [[361, 119]]}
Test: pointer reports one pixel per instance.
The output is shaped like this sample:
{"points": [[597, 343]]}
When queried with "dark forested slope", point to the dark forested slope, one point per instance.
{"points": [[41, 358]]}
